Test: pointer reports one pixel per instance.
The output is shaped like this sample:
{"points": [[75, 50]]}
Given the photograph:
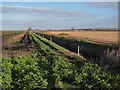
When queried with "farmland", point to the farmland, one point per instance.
{"points": [[59, 45], [98, 52], [48, 65], [93, 36], [12, 47]]}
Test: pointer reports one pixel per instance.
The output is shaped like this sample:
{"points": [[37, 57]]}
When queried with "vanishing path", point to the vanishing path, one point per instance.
{"points": [[11, 46]]}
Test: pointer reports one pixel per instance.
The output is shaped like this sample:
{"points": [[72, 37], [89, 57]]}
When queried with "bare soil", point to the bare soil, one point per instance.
{"points": [[12, 47]]}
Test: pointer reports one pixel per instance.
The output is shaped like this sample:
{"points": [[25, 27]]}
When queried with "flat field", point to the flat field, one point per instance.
{"points": [[94, 36], [11, 45], [32, 61]]}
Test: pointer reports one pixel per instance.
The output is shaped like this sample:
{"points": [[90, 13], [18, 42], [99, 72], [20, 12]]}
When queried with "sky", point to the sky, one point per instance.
{"points": [[59, 15]]}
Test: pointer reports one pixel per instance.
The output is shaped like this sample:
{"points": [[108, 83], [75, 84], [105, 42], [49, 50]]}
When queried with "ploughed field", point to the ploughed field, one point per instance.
{"points": [[11, 45], [49, 65], [94, 36]]}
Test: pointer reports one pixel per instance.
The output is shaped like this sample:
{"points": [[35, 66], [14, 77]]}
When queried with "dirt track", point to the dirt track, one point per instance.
{"points": [[12, 47]]}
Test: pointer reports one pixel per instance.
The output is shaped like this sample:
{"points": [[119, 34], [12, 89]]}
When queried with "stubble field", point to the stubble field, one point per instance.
{"points": [[94, 36]]}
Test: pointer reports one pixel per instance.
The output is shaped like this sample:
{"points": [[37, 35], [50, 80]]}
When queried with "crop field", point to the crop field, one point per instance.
{"points": [[94, 36], [32, 60], [12, 47]]}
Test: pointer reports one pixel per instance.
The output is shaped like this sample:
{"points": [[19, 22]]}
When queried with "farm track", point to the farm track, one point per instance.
{"points": [[12, 47]]}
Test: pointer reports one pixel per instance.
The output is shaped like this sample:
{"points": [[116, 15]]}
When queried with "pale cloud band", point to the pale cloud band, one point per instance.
{"points": [[43, 11], [20, 17]]}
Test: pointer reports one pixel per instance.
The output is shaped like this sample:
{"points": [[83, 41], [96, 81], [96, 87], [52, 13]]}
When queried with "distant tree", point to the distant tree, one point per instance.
{"points": [[37, 29], [72, 29], [29, 28]]}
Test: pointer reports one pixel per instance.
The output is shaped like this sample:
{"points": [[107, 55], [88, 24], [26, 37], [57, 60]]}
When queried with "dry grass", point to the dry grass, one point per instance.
{"points": [[6, 33], [108, 59], [95, 36]]}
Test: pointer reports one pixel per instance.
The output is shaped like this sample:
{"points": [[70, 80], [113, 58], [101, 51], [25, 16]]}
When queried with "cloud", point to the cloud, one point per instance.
{"points": [[113, 5], [107, 22], [38, 23], [35, 11], [45, 18]]}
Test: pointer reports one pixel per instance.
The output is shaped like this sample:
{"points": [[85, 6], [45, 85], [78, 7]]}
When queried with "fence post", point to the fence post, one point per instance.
{"points": [[78, 50], [43, 35], [51, 39]]}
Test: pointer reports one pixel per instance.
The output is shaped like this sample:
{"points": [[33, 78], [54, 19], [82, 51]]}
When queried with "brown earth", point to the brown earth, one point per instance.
{"points": [[94, 36], [12, 47]]}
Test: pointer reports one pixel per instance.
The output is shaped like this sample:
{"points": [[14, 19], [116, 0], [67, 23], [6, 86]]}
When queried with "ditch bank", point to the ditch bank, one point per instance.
{"points": [[89, 50]]}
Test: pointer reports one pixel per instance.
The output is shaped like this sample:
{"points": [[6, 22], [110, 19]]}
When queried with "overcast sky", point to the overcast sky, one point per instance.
{"points": [[59, 15]]}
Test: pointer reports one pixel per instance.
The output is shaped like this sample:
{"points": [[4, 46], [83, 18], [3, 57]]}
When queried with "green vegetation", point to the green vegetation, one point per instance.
{"points": [[59, 48], [105, 55], [37, 71], [83, 41], [44, 48], [63, 34]]}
